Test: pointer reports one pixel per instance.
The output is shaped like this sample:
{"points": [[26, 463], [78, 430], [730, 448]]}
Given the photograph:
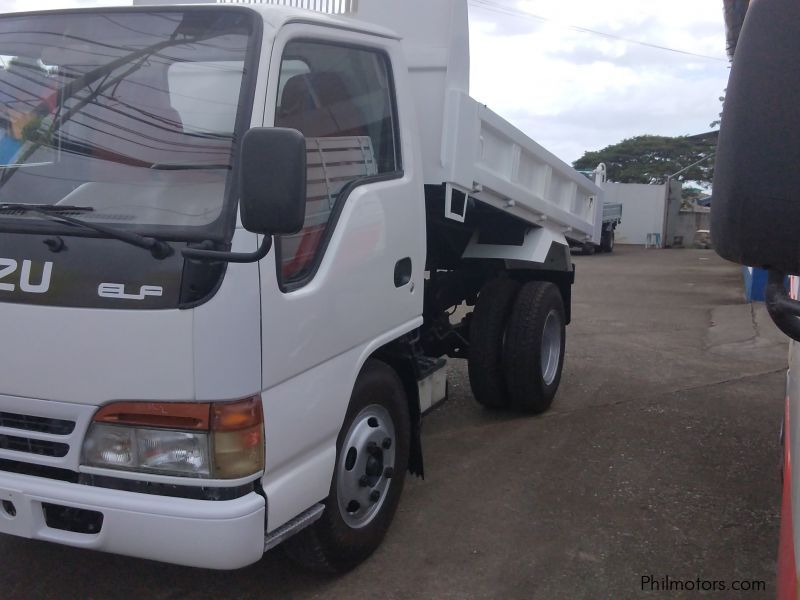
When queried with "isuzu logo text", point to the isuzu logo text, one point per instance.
{"points": [[8, 266], [117, 290]]}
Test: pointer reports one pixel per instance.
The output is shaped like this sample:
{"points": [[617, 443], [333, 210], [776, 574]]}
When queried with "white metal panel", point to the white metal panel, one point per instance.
{"points": [[304, 415], [197, 533], [514, 173], [227, 342], [315, 337], [91, 356], [535, 247]]}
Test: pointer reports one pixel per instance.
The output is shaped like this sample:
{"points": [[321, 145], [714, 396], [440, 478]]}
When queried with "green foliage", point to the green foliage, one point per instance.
{"points": [[652, 158], [734, 11], [692, 193], [718, 121]]}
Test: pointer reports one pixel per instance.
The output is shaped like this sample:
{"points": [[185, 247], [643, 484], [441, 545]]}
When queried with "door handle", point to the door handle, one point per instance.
{"points": [[402, 272]]}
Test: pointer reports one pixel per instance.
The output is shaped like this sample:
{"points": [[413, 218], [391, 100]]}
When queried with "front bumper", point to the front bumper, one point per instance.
{"points": [[197, 533]]}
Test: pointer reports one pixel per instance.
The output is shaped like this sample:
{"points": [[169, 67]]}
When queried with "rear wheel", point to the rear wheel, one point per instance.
{"points": [[534, 347], [371, 462], [487, 332], [607, 241], [588, 249]]}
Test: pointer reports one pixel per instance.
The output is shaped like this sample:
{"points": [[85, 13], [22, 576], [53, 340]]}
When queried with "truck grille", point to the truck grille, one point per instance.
{"points": [[43, 432], [40, 447], [40, 424]]}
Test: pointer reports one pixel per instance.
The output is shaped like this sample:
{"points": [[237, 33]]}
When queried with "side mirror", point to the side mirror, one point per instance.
{"points": [[755, 215], [272, 182]]}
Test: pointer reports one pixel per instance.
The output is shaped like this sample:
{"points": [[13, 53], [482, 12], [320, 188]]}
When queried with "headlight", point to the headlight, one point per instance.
{"points": [[221, 440]]}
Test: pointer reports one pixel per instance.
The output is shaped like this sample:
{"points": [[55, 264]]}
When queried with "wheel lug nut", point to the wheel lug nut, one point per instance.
{"points": [[372, 448], [363, 481], [388, 472], [387, 443], [375, 495]]}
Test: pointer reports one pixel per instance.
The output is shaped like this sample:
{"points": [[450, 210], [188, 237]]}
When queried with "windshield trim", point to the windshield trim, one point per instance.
{"points": [[222, 228]]}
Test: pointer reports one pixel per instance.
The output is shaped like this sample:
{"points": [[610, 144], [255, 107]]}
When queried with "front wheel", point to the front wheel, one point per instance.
{"points": [[371, 462], [534, 349]]}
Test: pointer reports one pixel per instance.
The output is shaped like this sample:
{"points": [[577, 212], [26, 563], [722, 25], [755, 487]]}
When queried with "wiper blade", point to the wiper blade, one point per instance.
{"points": [[188, 167], [42, 208], [158, 248]]}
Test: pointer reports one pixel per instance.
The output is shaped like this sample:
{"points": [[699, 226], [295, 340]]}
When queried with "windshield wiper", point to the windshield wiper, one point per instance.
{"points": [[158, 248], [49, 208]]}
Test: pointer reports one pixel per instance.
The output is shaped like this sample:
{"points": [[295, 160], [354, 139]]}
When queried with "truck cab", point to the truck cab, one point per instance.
{"points": [[231, 239]]}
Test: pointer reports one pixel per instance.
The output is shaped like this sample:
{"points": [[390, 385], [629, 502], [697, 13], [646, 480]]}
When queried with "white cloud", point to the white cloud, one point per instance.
{"points": [[573, 91]]}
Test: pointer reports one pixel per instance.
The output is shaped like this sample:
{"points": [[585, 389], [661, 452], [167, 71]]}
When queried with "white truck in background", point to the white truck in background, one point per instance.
{"points": [[231, 237], [610, 220]]}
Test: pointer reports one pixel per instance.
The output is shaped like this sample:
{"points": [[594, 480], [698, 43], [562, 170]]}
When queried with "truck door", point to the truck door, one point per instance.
{"points": [[352, 277]]}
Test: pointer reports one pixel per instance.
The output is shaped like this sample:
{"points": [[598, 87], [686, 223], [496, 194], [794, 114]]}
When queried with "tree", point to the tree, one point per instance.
{"points": [[652, 158], [734, 11], [718, 121], [691, 193]]}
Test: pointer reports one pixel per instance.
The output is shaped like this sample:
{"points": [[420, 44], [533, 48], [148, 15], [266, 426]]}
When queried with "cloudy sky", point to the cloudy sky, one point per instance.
{"points": [[573, 91]]}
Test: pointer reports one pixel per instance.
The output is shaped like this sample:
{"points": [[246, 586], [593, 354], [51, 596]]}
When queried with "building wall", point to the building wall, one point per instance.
{"points": [[687, 224], [642, 210]]}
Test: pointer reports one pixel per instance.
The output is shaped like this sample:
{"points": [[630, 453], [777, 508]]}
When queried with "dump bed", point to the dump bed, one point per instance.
{"points": [[503, 167], [465, 146]]}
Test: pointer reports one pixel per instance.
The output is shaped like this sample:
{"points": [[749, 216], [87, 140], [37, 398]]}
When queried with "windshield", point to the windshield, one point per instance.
{"points": [[130, 113]]}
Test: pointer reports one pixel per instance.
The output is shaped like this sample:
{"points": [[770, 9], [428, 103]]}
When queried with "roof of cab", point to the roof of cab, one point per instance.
{"points": [[274, 15], [277, 16]]}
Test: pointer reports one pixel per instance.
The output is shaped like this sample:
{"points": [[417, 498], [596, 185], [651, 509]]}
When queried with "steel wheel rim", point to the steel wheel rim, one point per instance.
{"points": [[365, 466], [551, 347]]}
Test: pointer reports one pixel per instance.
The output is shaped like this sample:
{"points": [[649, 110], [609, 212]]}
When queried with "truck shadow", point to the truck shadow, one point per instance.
{"points": [[43, 570]]}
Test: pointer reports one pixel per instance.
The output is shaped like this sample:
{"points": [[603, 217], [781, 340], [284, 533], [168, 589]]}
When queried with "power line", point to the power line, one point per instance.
{"points": [[496, 7]]}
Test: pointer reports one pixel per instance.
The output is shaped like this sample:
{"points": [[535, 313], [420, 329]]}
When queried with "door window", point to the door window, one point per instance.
{"points": [[340, 98]]}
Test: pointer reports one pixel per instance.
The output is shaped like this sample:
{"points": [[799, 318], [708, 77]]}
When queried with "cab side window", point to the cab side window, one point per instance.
{"points": [[341, 99]]}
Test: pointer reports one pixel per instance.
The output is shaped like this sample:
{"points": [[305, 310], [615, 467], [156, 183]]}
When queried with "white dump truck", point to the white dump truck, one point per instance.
{"points": [[232, 238], [610, 220]]}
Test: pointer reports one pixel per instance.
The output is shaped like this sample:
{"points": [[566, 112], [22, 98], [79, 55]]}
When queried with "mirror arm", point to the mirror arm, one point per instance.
{"points": [[231, 257], [784, 311]]}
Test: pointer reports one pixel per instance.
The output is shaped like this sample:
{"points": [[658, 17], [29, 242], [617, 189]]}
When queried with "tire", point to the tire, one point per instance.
{"points": [[588, 249], [607, 241], [342, 538], [486, 336], [534, 349]]}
